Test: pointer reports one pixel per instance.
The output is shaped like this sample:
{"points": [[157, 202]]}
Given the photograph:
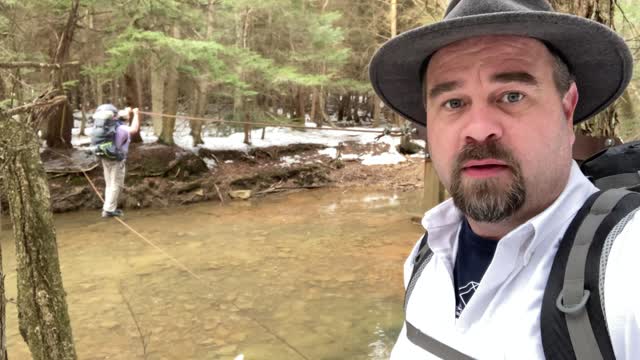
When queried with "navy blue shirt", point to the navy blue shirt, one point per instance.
{"points": [[472, 260]]}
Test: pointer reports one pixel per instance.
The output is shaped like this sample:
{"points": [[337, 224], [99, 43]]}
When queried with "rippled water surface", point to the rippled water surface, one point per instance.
{"points": [[319, 270]]}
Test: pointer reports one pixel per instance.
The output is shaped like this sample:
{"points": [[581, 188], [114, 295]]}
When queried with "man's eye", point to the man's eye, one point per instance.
{"points": [[512, 97], [453, 104]]}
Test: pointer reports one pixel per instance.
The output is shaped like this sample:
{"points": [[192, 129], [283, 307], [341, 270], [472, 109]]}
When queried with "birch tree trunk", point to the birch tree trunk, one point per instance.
{"points": [[42, 309]]}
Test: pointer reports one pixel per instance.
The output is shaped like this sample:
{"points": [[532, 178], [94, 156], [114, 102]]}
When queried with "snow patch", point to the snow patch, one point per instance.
{"points": [[330, 152], [350, 156], [389, 158], [290, 160], [211, 163]]}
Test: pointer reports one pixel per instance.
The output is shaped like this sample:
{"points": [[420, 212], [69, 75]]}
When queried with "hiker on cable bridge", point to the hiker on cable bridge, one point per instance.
{"points": [[500, 85], [110, 140]]}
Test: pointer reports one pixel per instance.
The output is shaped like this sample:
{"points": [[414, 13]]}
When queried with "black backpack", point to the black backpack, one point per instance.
{"points": [[103, 138], [573, 320]]}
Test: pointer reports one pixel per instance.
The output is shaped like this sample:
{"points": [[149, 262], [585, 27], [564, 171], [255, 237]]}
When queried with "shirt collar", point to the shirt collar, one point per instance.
{"points": [[443, 221]]}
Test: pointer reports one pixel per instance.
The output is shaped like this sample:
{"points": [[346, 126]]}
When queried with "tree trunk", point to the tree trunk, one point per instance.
{"points": [[99, 93], [3, 307], [59, 122], [603, 11], [321, 110], [115, 93], [239, 106], [3, 315], [247, 129], [64, 45], [393, 17], [352, 108], [170, 96], [157, 93], [83, 122], [3, 93], [201, 86], [341, 107], [133, 94], [301, 104], [93, 83], [197, 125], [42, 309], [314, 105]]}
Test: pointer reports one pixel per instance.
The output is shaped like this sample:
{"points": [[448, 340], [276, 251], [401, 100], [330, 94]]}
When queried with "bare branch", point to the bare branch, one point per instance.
{"points": [[25, 108], [626, 19], [33, 64]]}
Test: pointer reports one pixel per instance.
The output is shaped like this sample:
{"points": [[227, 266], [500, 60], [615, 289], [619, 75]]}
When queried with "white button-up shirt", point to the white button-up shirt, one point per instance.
{"points": [[502, 319]]}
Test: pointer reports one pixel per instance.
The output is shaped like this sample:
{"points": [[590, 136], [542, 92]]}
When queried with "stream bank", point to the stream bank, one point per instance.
{"points": [[162, 176]]}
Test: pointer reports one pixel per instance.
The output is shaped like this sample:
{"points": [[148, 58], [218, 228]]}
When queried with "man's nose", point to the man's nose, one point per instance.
{"points": [[483, 123]]}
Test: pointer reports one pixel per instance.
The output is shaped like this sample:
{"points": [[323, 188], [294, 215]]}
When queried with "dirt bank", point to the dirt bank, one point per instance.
{"points": [[160, 176]]}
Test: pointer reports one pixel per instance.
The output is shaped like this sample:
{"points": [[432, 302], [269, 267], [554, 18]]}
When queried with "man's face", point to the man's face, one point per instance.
{"points": [[499, 132]]}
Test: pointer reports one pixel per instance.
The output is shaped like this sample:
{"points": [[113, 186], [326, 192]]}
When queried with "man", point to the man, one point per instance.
{"points": [[503, 82], [115, 170]]}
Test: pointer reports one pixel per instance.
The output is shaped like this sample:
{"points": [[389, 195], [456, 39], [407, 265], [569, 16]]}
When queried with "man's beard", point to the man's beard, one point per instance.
{"points": [[487, 200]]}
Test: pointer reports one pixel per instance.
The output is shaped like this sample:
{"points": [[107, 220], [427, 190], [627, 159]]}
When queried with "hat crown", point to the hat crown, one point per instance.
{"points": [[463, 8]]}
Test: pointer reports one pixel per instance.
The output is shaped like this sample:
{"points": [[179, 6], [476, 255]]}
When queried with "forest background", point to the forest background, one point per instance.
{"points": [[232, 59]]}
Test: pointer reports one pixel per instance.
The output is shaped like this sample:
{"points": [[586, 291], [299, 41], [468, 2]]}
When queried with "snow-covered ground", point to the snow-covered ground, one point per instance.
{"points": [[278, 136]]}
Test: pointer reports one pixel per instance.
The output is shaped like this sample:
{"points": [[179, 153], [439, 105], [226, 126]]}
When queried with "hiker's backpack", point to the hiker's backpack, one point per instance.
{"points": [[103, 138], [573, 320]]}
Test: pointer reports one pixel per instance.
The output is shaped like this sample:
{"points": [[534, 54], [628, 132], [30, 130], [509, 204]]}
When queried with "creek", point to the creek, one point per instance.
{"points": [[320, 269]]}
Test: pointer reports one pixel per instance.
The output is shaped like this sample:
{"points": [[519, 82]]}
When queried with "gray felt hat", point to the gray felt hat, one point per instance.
{"points": [[599, 59]]}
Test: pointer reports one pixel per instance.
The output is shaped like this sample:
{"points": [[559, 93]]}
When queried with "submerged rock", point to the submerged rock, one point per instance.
{"points": [[240, 194]]}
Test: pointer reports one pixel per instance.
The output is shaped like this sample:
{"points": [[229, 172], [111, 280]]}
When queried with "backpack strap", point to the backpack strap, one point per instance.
{"points": [[421, 260], [573, 323], [619, 180], [416, 336], [433, 346]]}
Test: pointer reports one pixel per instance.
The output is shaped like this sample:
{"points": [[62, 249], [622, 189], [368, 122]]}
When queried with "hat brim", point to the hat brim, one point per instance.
{"points": [[598, 58]]}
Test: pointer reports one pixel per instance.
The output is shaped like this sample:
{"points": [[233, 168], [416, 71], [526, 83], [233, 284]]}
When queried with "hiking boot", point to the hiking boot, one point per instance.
{"points": [[116, 212]]}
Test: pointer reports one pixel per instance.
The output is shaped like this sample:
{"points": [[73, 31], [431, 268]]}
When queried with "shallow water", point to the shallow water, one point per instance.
{"points": [[321, 270]]}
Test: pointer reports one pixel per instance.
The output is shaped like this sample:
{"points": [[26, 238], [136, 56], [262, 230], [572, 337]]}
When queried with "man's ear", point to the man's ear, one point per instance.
{"points": [[569, 102]]}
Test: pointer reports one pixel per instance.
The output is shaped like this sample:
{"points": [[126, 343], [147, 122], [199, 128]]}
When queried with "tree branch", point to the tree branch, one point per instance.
{"points": [[25, 108], [33, 64]]}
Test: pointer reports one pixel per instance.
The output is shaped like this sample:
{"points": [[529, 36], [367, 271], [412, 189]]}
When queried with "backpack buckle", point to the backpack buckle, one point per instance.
{"points": [[576, 308]]}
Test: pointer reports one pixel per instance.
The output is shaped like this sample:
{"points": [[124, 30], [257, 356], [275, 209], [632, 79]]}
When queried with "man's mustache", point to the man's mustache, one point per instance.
{"points": [[484, 150]]}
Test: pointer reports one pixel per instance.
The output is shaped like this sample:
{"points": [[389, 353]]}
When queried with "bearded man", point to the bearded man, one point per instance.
{"points": [[500, 85]]}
